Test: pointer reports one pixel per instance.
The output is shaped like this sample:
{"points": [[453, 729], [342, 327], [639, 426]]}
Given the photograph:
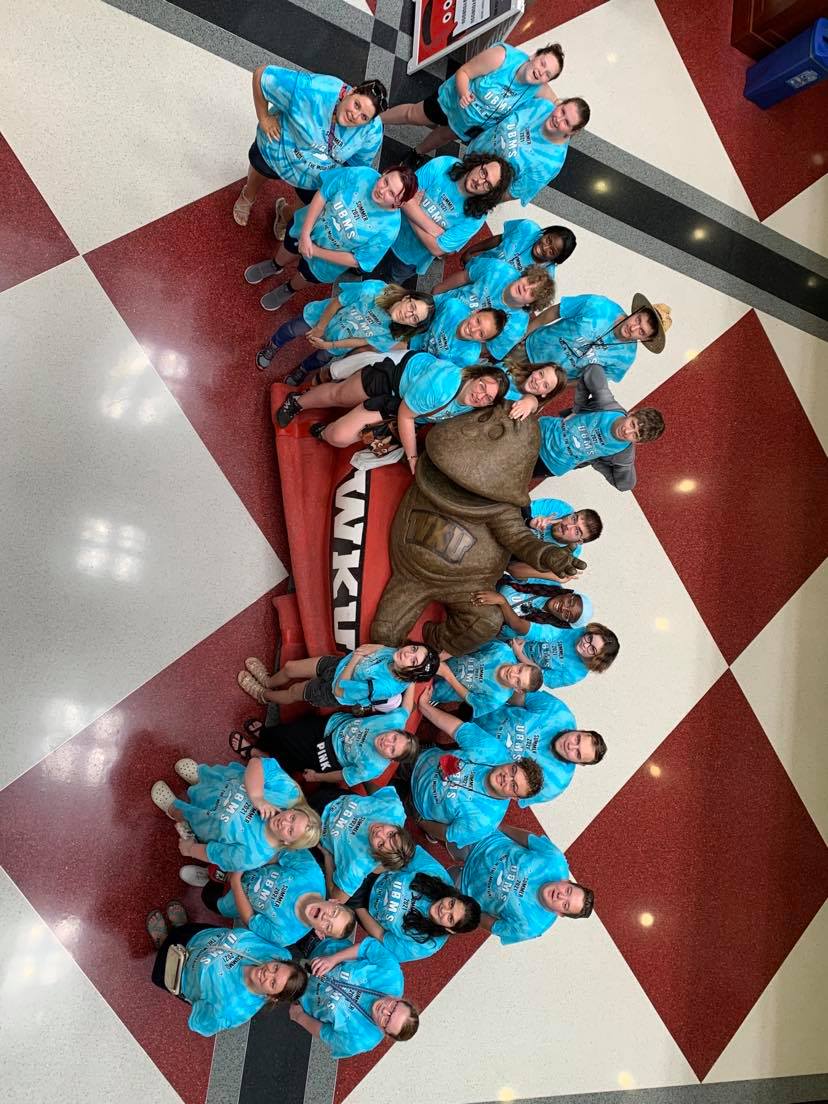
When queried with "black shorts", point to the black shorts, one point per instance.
{"points": [[300, 745], [381, 384], [433, 111], [319, 690], [291, 244], [254, 156]]}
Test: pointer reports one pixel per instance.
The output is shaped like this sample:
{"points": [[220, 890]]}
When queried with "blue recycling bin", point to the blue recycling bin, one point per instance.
{"points": [[798, 64]]}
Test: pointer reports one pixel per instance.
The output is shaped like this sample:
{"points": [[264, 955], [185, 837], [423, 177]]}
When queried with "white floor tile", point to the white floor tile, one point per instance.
{"points": [[600, 267], [622, 59], [668, 659], [782, 673], [61, 1040], [89, 136], [803, 218], [118, 525], [587, 1026], [783, 1035], [805, 360]]}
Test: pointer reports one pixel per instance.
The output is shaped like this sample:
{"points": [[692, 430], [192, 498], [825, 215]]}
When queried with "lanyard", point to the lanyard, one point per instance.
{"points": [[351, 994], [596, 341], [330, 143]]}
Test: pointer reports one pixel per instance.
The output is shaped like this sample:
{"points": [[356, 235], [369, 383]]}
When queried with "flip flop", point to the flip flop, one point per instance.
{"points": [[156, 926], [252, 727], [242, 747]]}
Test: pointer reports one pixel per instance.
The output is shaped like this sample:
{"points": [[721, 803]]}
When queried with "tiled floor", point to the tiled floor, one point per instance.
{"points": [[144, 536]]}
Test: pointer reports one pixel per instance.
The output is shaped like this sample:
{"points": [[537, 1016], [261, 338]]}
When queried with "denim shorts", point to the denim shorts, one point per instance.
{"points": [[319, 690]]}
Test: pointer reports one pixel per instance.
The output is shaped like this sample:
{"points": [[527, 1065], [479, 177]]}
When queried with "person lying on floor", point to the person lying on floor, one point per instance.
{"points": [[342, 748], [557, 522], [350, 223], [238, 818], [412, 912], [227, 976], [281, 901], [535, 609], [368, 676], [354, 998], [485, 679], [417, 390], [544, 729], [462, 796], [565, 657], [360, 836], [522, 884], [367, 315]]}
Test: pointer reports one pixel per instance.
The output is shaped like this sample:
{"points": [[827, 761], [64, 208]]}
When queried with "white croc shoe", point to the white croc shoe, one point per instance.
{"points": [[188, 770], [163, 797]]}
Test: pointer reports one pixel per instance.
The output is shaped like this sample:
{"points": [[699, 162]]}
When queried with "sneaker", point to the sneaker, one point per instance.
{"points": [[296, 377], [272, 300], [194, 875], [261, 271], [288, 410], [265, 355]]}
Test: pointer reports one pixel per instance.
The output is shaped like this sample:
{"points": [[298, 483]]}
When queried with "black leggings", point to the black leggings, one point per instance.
{"points": [[299, 745], [180, 935]]}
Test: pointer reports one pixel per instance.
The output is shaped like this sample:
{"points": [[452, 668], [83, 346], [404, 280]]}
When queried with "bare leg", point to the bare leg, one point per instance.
{"points": [[285, 258], [347, 429], [292, 670], [290, 696], [439, 136], [254, 182], [348, 392], [410, 114]]}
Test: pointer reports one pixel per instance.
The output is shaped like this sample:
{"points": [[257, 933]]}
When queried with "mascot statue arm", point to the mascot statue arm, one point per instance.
{"points": [[510, 530]]}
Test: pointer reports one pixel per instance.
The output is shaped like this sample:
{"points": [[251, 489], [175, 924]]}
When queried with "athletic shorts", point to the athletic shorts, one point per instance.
{"points": [[291, 244], [433, 111], [254, 156]]}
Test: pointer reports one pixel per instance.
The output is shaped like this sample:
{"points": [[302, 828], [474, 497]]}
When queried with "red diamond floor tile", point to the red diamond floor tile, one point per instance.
{"points": [[178, 284], [540, 16], [711, 839], [118, 855], [777, 153], [748, 529], [31, 238]]}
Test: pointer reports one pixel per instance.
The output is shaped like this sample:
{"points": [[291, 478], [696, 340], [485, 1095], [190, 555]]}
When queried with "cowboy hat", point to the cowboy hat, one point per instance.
{"points": [[663, 321]]}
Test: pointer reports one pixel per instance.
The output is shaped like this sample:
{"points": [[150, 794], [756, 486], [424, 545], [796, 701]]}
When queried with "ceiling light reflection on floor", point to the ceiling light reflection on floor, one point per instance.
{"points": [[646, 919], [686, 486], [655, 770], [626, 1080], [600, 186]]}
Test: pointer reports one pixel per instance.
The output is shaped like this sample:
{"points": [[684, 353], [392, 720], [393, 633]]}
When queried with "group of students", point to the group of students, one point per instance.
{"points": [[298, 872]]}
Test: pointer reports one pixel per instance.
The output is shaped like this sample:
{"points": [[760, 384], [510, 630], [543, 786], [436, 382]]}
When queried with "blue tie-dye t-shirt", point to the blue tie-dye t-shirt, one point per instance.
{"points": [[579, 439], [505, 879], [358, 317], [496, 95], [518, 238], [583, 335], [273, 891], [307, 146], [441, 339], [443, 201], [353, 741], [520, 140], [371, 679], [339, 1001], [351, 221], [213, 977], [489, 280], [477, 671], [529, 730], [392, 898], [346, 825]]}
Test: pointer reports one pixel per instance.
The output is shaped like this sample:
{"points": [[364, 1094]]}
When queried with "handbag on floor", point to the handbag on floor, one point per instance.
{"points": [[177, 955]]}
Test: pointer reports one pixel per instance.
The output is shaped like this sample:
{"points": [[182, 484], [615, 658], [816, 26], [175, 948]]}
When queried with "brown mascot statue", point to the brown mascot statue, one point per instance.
{"points": [[459, 525]]}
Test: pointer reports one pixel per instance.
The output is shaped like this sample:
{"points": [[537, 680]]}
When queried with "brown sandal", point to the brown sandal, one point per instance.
{"points": [[252, 687], [241, 209], [258, 670]]}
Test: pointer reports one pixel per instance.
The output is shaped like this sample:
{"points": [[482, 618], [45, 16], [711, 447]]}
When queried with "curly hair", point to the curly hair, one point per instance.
{"points": [[538, 276], [477, 206], [534, 775]]}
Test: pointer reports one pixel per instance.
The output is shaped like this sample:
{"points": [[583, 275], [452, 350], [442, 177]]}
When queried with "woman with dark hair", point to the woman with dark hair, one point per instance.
{"points": [[308, 122], [451, 205], [458, 333], [367, 315], [412, 912], [535, 142], [226, 975], [531, 385], [521, 244], [418, 389], [353, 1007], [530, 607], [483, 91], [350, 223]]}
